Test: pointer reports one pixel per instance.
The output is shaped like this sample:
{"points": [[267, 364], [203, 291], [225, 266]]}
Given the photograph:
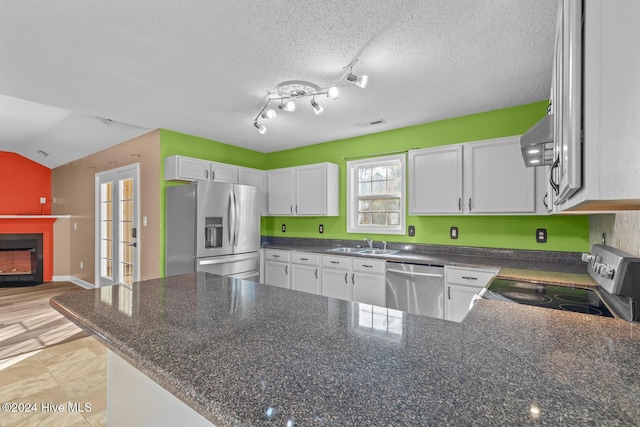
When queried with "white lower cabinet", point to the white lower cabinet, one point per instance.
{"points": [[305, 272], [368, 281], [276, 268], [461, 285], [336, 273]]}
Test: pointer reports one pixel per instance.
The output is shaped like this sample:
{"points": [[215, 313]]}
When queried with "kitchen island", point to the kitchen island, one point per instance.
{"points": [[242, 353]]}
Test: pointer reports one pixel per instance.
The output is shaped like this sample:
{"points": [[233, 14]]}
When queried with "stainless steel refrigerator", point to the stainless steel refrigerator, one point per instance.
{"points": [[213, 227]]}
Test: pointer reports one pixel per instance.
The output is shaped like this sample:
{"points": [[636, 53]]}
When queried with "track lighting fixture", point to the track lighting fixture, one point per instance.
{"points": [[316, 108], [287, 92], [289, 106], [260, 128], [358, 80], [269, 114]]}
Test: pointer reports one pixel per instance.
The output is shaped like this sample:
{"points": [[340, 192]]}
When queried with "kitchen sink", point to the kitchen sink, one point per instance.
{"points": [[378, 251], [346, 250]]}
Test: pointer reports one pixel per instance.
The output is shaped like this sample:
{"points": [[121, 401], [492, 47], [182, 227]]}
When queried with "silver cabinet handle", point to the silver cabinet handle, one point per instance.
{"points": [[334, 262], [346, 281], [213, 175], [291, 208], [544, 200], [206, 174], [296, 209], [276, 256], [286, 269], [414, 273], [469, 278], [469, 204], [368, 266], [353, 278], [460, 203], [316, 273], [449, 292], [304, 259]]}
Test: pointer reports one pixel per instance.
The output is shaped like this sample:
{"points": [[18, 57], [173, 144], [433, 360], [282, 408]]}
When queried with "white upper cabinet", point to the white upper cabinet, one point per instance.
{"points": [[484, 177], [222, 172], [280, 191], [254, 177], [310, 190], [435, 180], [498, 181], [180, 168]]}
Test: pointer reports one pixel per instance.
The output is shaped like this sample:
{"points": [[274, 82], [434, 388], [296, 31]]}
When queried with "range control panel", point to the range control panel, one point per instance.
{"points": [[608, 266]]}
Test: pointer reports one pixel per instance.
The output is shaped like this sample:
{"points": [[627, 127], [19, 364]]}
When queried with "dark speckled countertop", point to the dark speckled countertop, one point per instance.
{"points": [[233, 349]]}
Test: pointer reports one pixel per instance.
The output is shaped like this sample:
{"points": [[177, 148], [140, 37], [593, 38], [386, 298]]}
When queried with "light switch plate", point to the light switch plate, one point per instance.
{"points": [[284, 228], [453, 232], [321, 229], [412, 230]]}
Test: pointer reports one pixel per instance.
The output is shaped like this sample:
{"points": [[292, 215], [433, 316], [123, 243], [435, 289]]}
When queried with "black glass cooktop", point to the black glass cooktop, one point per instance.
{"points": [[549, 296]]}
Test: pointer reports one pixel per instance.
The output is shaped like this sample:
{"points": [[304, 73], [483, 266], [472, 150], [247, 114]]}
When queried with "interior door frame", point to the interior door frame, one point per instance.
{"points": [[135, 168]]}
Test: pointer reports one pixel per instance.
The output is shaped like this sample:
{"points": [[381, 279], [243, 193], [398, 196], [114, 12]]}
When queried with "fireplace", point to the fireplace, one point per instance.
{"points": [[20, 260]]}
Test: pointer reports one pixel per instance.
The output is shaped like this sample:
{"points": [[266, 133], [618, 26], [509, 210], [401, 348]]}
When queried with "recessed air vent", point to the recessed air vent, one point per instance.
{"points": [[366, 124]]}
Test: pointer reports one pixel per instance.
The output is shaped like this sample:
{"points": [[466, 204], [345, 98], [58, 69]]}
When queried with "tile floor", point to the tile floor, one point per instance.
{"points": [[63, 374]]}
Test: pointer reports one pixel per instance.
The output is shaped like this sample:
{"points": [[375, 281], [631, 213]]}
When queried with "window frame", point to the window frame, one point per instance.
{"points": [[352, 196]]}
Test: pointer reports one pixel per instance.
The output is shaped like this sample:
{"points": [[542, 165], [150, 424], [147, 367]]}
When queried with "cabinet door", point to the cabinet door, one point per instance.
{"points": [[335, 283], [368, 288], [276, 273], [280, 191], [221, 172], [254, 177], [311, 190], [305, 278], [457, 301], [498, 180], [182, 168], [435, 180]]}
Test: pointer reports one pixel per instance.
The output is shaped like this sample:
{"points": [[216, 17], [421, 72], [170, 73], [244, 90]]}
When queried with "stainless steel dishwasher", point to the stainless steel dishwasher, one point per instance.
{"points": [[416, 288]]}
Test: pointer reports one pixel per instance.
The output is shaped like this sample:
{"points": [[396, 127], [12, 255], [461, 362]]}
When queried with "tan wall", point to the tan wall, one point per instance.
{"points": [[73, 188], [622, 230], [61, 247]]}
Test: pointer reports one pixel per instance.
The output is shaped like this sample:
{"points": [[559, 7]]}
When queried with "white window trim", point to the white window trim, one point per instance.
{"points": [[352, 210]]}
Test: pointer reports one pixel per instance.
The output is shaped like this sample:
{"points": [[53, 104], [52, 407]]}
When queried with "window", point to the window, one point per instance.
{"points": [[375, 195]]}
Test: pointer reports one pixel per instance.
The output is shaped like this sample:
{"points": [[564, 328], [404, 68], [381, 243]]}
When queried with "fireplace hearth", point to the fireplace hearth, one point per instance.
{"points": [[21, 260]]}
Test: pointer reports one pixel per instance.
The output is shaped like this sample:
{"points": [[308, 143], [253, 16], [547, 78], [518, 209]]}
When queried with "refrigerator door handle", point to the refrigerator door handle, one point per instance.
{"points": [[232, 219], [236, 228]]}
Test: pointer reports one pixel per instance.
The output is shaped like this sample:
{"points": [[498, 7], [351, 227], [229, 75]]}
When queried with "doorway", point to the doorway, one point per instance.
{"points": [[117, 248]]}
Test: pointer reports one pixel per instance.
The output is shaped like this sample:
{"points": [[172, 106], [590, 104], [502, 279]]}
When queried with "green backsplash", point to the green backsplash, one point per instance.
{"points": [[565, 233]]}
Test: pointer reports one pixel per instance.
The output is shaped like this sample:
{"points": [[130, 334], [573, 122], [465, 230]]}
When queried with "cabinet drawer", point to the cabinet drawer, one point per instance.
{"points": [[369, 266], [275, 255], [305, 258], [337, 262], [477, 277]]}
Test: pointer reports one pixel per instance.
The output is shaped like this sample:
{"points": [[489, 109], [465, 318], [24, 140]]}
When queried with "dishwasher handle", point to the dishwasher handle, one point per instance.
{"points": [[414, 273]]}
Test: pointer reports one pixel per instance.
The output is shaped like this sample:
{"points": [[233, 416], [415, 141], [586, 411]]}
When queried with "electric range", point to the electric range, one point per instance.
{"points": [[617, 293]]}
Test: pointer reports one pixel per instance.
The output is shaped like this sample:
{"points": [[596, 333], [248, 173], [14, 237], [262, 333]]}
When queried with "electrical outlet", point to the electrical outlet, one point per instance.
{"points": [[321, 229], [284, 228], [541, 235], [75, 225], [81, 265], [453, 232], [412, 230], [43, 200]]}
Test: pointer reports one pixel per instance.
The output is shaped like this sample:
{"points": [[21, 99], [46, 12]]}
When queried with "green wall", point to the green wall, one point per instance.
{"points": [[565, 233]]}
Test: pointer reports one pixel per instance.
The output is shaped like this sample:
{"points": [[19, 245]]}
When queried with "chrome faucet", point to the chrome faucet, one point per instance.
{"points": [[369, 242]]}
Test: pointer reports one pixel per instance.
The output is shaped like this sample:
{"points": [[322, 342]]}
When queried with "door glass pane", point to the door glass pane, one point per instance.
{"points": [[106, 230], [125, 231]]}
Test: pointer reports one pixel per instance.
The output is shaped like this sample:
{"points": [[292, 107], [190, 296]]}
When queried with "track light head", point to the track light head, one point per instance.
{"points": [[289, 106], [260, 128], [333, 93], [316, 108], [269, 114], [358, 80]]}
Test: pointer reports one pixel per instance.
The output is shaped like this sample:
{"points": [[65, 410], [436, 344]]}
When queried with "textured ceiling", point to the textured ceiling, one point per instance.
{"points": [[205, 67]]}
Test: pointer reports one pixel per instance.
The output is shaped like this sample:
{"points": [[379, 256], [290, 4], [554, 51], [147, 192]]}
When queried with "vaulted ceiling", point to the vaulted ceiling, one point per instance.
{"points": [[206, 67]]}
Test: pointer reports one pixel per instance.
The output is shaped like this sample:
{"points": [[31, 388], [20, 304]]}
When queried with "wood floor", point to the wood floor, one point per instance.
{"points": [[28, 323], [46, 361]]}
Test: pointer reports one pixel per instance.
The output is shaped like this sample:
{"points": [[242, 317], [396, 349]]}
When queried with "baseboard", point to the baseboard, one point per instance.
{"points": [[74, 280]]}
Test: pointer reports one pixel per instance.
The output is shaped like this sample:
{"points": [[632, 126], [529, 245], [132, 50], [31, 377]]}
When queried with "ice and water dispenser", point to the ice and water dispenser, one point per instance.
{"points": [[213, 232]]}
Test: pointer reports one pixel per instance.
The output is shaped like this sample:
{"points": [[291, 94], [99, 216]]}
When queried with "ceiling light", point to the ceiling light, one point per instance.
{"points": [[289, 106], [358, 80], [269, 114], [333, 93], [261, 129], [316, 108], [291, 90]]}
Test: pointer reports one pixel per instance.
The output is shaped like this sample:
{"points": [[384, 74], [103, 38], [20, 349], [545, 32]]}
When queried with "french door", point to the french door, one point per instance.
{"points": [[117, 196]]}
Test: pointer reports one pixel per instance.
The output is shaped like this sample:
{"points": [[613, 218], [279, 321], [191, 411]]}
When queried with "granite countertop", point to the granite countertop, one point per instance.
{"points": [[242, 353]]}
